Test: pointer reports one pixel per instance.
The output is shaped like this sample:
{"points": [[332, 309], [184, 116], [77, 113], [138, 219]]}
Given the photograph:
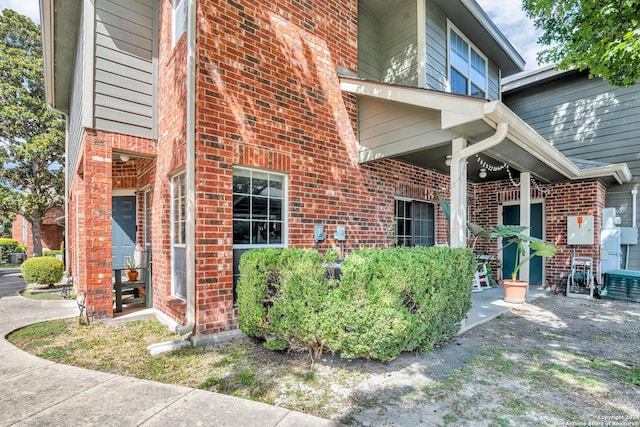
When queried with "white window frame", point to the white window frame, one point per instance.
{"points": [[178, 19], [146, 197], [467, 74], [413, 219], [285, 212], [181, 245]]}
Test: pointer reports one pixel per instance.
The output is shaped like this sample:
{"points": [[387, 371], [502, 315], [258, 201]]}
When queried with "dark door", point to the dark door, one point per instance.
{"points": [[511, 216], [123, 229]]}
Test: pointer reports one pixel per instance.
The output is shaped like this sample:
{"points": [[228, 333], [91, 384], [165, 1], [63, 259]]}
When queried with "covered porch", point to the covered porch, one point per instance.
{"points": [[475, 142]]}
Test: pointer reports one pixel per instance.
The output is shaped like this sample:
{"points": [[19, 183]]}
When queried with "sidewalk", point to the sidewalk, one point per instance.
{"points": [[40, 392]]}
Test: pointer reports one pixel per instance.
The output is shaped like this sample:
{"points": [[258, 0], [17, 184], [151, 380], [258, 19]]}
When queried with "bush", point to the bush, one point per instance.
{"points": [[52, 253], [10, 246], [42, 270], [387, 300]]}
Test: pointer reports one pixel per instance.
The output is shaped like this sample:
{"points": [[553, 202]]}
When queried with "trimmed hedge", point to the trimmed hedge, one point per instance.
{"points": [[10, 246], [42, 270], [387, 300], [53, 252]]}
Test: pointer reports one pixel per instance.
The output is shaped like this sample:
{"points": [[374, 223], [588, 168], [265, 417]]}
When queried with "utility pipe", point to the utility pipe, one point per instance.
{"points": [[458, 186], [190, 213]]}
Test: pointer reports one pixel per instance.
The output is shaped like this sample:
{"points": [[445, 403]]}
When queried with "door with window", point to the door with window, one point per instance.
{"points": [[511, 216], [415, 223]]}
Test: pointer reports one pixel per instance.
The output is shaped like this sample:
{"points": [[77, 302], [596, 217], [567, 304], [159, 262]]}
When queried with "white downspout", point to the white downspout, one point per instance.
{"points": [[458, 186], [190, 214]]}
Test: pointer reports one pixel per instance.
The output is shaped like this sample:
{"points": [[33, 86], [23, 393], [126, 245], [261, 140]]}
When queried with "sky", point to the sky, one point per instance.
{"points": [[507, 15]]}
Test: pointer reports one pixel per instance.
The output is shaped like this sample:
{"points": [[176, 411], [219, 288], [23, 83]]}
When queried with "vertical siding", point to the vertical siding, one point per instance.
{"points": [[124, 76], [436, 67], [368, 45], [74, 120], [588, 119], [399, 46]]}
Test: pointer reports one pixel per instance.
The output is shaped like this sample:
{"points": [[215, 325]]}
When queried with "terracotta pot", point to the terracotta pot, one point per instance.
{"points": [[132, 275], [515, 291]]}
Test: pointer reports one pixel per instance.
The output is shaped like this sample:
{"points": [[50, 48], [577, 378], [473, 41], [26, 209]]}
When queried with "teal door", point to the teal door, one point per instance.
{"points": [[511, 216], [123, 229]]}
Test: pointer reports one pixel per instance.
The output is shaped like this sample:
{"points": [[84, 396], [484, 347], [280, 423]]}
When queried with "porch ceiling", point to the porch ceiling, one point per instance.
{"points": [[417, 126]]}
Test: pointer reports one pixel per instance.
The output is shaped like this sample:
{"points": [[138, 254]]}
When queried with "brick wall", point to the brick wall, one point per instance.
{"points": [[560, 201], [51, 234]]}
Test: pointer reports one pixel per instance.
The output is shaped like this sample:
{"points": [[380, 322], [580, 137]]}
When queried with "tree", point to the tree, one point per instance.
{"points": [[602, 36], [31, 136]]}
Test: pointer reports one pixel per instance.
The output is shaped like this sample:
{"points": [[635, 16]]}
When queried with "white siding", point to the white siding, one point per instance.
{"points": [[399, 46], [124, 69]]}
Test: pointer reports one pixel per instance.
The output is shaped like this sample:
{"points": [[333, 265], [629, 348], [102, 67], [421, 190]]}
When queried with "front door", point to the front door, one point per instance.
{"points": [[511, 216], [123, 229]]}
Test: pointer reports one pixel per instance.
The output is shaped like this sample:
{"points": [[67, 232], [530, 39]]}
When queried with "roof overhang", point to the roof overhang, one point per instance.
{"points": [[60, 21], [417, 126]]}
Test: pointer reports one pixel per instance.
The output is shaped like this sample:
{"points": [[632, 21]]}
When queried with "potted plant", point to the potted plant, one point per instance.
{"points": [[515, 291], [132, 269]]}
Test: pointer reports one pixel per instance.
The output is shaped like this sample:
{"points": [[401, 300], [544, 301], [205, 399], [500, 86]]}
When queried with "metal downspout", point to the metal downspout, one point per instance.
{"points": [[458, 177], [190, 214]]}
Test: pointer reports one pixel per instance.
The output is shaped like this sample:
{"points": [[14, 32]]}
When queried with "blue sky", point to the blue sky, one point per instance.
{"points": [[507, 14]]}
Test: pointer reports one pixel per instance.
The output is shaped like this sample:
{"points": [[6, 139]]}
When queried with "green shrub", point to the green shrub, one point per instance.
{"points": [[10, 246], [386, 301], [42, 270], [52, 253]]}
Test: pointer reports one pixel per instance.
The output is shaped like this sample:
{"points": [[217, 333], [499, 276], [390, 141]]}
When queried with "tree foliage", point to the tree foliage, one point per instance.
{"points": [[602, 36], [31, 136]]}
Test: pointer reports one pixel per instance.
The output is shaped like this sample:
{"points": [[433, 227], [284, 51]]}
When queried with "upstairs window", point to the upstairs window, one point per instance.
{"points": [[179, 19], [467, 67]]}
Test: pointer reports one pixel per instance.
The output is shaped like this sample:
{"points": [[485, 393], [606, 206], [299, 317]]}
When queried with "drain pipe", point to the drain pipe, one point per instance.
{"points": [[190, 178], [458, 176]]}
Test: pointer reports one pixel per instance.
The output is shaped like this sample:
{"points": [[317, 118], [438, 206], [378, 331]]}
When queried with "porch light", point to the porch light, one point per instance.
{"points": [[447, 160], [124, 157], [483, 173]]}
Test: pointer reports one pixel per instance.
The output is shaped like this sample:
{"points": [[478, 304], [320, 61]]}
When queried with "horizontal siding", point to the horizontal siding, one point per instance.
{"points": [[124, 74], [74, 120], [436, 67], [584, 118], [399, 47], [494, 82], [368, 45]]}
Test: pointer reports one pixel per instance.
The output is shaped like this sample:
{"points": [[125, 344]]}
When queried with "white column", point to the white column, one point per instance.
{"points": [[525, 216], [458, 176]]}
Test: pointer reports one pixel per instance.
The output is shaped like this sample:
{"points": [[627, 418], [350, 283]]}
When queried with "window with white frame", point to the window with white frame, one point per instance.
{"points": [[179, 19], [259, 212], [415, 223], [467, 66], [178, 246]]}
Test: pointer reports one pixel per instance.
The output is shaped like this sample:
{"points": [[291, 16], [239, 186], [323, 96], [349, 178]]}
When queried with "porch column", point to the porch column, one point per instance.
{"points": [[458, 186], [525, 216]]}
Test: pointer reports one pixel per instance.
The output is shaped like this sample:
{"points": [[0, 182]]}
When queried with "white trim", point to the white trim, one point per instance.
{"points": [[88, 66], [121, 192], [421, 9], [285, 210]]}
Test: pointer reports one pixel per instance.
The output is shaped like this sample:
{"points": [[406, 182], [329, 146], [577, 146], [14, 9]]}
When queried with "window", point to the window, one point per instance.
{"points": [[467, 67], [179, 19], [259, 203], [258, 206], [178, 247], [415, 225]]}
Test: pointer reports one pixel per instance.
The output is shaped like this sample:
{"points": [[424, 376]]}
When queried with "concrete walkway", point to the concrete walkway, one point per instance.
{"points": [[40, 392]]}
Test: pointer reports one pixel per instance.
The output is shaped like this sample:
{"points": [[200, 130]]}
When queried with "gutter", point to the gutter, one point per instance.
{"points": [[190, 214]]}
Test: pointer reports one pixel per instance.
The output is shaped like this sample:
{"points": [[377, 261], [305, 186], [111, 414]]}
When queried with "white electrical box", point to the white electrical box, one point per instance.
{"points": [[628, 235], [580, 230], [608, 218]]}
